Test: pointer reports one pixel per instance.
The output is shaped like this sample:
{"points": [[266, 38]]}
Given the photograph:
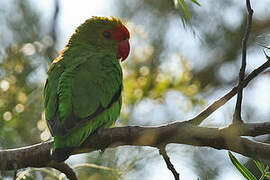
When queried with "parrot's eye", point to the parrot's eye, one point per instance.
{"points": [[107, 34]]}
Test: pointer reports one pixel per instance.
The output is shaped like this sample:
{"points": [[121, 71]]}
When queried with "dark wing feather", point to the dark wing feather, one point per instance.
{"points": [[69, 122]]}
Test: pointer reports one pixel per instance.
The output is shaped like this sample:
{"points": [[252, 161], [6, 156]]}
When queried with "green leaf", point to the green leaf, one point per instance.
{"points": [[242, 169], [259, 165], [185, 8], [196, 2], [184, 12], [267, 174]]}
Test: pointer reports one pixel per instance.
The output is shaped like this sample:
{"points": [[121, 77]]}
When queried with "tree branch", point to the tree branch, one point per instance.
{"points": [[64, 168], [224, 99], [163, 153], [180, 133], [237, 111]]}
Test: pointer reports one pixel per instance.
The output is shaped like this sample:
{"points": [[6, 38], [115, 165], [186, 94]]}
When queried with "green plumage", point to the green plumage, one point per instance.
{"points": [[83, 88]]}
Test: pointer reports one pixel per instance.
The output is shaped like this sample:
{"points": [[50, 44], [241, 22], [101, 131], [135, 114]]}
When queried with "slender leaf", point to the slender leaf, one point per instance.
{"points": [[184, 12], [267, 174], [259, 165], [242, 169], [184, 6], [262, 177], [196, 2]]}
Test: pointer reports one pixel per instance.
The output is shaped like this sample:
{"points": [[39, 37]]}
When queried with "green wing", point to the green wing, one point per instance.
{"points": [[88, 96], [51, 97]]}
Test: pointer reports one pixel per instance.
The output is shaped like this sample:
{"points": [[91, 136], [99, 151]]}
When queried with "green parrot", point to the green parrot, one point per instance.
{"points": [[83, 89]]}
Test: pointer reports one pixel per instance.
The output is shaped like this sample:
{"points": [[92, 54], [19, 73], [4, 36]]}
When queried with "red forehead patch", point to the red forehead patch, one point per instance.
{"points": [[120, 33]]}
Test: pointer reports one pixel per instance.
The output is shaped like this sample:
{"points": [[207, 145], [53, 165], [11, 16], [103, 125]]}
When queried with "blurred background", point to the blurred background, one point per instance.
{"points": [[173, 72]]}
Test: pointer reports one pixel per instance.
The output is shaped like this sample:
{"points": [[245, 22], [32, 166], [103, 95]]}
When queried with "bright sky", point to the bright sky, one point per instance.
{"points": [[74, 13]]}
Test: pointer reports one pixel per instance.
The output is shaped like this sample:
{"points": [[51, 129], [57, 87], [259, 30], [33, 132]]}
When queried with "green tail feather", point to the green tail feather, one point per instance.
{"points": [[63, 146]]}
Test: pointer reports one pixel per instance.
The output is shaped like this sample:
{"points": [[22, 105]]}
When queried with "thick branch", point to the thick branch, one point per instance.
{"points": [[181, 133]]}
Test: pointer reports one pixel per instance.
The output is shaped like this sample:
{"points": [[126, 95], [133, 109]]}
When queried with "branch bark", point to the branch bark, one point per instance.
{"points": [[64, 168], [170, 166], [180, 132], [238, 107]]}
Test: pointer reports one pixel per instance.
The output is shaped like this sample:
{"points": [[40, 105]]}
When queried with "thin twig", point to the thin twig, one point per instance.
{"points": [[237, 112], [51, 51], [64, 168], [95, 166], [224, 99], [163, 153], [55, 20]]}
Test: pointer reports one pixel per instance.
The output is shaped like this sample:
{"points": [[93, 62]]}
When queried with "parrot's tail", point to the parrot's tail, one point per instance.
{"points": [[61, 154]]}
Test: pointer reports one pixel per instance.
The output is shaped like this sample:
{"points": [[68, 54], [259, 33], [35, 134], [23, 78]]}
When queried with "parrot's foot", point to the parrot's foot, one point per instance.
{"points": [[61, 154]]}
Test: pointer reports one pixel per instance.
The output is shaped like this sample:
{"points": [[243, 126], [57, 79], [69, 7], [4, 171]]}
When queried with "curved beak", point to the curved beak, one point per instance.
{"points": [[123, 49]]}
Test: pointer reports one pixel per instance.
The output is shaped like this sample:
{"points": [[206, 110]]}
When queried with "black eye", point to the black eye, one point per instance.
{"points": [[107, 34]]}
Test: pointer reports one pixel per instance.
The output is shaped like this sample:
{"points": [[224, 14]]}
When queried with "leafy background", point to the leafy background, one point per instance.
{"points": [[175, 69]]}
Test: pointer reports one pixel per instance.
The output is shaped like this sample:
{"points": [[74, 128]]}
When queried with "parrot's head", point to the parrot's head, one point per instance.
{"points": [[104, 35]]}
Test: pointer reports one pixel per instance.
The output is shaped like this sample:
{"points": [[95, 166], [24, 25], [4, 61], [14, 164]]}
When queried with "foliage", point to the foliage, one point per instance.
{"points": [[184, 11], [20, 97], [246, 173]]}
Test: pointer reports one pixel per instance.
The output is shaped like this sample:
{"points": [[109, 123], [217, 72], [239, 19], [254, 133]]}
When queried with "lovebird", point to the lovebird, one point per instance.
{"points": [[83, 90]]}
